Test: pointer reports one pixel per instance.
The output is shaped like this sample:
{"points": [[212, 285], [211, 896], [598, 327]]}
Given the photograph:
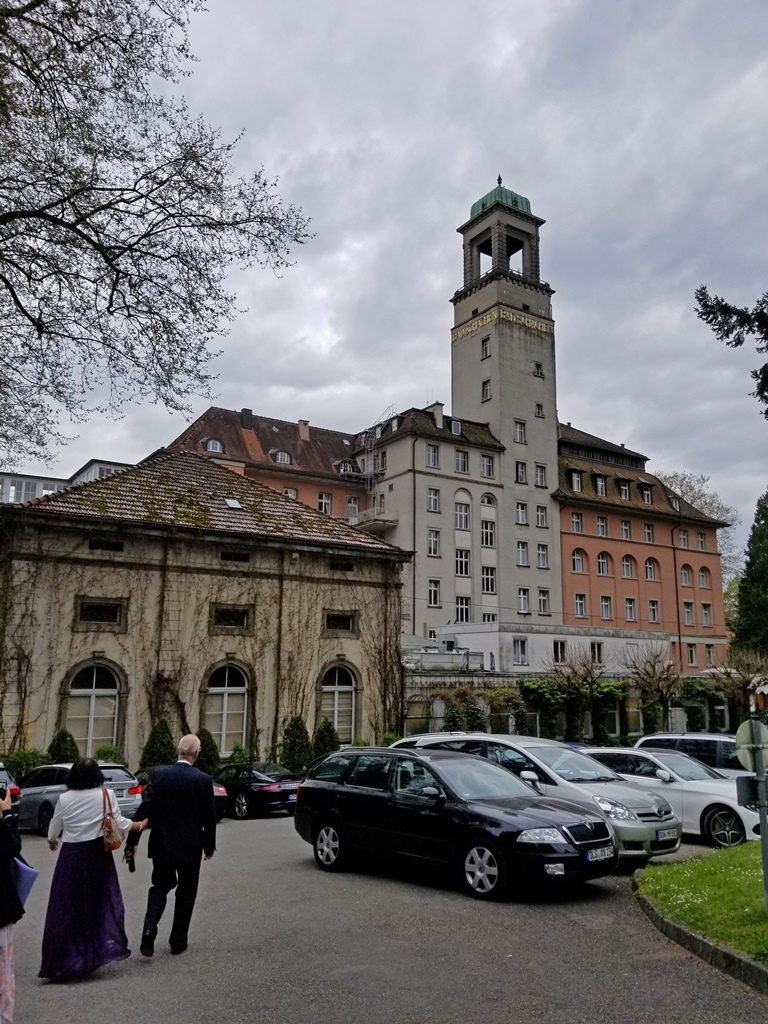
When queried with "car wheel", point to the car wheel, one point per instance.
{"points": [[44, 816], [329, 847], [483, 870], [242, 806], [723, 827]]}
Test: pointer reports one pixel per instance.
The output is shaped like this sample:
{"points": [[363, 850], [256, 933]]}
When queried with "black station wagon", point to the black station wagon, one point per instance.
{"points": [[491, 827]]}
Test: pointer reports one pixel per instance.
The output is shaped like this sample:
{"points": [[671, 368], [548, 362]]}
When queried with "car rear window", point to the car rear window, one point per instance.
{"points": [[112, 774], [702, 750], [665, 742], [332, 769], [730, 758], [371, 771]]}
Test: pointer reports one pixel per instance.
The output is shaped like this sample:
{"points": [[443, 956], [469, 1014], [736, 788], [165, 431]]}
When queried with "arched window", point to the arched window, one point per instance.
{"points": [[686, 576], [212, 444], [603, 564], [283, 457], [628, 567], [92, 708], [704, 580], [578, 560], [488, 499], [337, 703], [226, 705], [651, 569]]}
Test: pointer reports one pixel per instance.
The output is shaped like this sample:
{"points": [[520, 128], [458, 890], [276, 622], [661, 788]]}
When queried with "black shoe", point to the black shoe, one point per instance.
{"points": [[178, 947], [147, 947]]}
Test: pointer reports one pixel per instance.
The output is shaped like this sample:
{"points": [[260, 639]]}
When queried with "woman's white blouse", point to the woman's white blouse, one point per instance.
{"points": [[79, 815]]}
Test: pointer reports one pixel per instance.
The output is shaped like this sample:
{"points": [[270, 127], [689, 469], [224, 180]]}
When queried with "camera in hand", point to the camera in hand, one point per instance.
{"points": [[3, 792]]}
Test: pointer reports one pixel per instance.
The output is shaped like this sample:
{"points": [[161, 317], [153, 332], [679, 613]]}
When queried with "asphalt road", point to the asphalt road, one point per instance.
{"points": [[276, 941]]}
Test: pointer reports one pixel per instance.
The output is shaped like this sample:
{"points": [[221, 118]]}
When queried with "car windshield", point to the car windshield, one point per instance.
{"points": [[573, 766], [687, 768], [473, 779]]}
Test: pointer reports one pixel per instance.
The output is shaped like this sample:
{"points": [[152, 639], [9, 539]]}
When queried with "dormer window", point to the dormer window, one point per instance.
{"points": [[600, 486], [212, 444], [624, 489], [283, 458], [346, 467], [647, 494], [675, 504], [575, 480], [456, 426]]}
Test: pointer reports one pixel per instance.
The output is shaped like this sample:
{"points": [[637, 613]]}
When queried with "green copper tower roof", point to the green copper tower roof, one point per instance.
{"points": [[500, 195]]}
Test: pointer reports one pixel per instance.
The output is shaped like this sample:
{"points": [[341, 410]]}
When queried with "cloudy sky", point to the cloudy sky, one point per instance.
{"points": [[637, 128]]}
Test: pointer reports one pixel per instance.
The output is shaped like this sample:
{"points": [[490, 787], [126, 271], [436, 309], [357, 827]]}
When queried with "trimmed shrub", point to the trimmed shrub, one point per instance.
{"points": [[453, 720], [326, 739], [63, 749], [389, 738], [108, 752], [297, 746], [22, 761], [209, 760], [474, 717], [239, 754], [159, 748]]}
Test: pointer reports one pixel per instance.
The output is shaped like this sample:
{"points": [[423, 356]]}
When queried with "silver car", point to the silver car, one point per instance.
{"points": [[41, 788], [644, 823]]}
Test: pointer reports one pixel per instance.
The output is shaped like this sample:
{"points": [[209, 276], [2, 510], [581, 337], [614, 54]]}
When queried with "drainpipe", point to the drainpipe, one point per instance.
{"points": [[677, 598], [413, 537]]}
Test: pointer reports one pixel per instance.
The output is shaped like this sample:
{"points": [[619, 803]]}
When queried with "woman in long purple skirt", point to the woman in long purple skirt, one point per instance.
{"points": [[84, 925]]}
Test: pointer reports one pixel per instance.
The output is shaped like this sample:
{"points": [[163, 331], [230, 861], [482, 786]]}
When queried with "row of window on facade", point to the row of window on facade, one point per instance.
{"points": [[604, 566], [649, 532], [95, 705], [581, 610], [623, 487], [560, 652]]}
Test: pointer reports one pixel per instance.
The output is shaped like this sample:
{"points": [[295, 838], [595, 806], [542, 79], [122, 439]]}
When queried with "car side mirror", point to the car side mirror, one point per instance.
{"points": [[663, 774], [532, 779], [432, 792]]}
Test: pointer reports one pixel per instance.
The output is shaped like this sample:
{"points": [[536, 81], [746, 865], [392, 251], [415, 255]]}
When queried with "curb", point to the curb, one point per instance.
{"points": [[740, 967]]}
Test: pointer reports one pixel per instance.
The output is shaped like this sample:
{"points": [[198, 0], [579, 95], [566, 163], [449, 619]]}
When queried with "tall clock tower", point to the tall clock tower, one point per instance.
{"points": [[503, 373]]}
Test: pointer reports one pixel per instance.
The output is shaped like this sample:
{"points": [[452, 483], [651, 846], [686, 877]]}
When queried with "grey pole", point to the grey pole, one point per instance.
{"points": [[762, 803]]}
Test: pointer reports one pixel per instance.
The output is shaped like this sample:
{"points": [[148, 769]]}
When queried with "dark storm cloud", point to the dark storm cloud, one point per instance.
{"points": [[636, 129]]}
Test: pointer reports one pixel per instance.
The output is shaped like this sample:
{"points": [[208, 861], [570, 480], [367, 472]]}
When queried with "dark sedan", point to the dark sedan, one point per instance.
{"points": [[474, 816], [258, 788], [219, 793]]}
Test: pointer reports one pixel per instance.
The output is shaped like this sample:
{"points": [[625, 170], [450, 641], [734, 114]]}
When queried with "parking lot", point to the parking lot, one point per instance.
{"points": [[276, 941]]}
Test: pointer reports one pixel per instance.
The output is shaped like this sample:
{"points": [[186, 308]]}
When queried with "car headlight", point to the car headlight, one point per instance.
{"points": [[612, 809], [541, 835]]}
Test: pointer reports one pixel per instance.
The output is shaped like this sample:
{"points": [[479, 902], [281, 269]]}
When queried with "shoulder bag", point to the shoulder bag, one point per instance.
{"points": [[112, 832]]}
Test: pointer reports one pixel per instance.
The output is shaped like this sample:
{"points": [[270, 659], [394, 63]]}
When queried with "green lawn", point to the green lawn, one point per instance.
{"points": [[719, 895]]}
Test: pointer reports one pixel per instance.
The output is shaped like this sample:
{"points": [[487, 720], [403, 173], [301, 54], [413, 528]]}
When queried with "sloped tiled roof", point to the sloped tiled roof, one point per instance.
{"points": [[566, 432], [181, 489], [422, 422]]}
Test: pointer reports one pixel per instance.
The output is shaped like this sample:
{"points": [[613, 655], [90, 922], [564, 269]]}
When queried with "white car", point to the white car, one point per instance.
{"points": [[703, 799]]}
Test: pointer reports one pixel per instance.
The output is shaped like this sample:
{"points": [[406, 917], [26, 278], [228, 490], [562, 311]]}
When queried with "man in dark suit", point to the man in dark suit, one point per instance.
{"points": [[179, 804]]}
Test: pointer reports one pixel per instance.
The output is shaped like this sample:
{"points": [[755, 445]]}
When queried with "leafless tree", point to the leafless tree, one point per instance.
{"points": [[653, 672], [737, 677]]}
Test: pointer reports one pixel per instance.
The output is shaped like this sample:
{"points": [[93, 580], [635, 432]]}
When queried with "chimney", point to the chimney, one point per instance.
{"points": [[303, 430], [246, 419], [437, 411]]}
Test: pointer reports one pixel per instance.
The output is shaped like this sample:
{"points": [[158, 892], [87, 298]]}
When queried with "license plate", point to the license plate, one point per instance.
{"points": [[291, 796], [667, 833], [600, 853], [119, 792]]}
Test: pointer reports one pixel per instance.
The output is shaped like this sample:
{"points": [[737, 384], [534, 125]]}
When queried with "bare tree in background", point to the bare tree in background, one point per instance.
{"points": [[737, 677], [120, 216], [653, 672]]}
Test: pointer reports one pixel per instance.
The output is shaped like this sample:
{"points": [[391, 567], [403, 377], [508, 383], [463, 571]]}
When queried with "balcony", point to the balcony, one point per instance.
{"points": [[373, 520]]}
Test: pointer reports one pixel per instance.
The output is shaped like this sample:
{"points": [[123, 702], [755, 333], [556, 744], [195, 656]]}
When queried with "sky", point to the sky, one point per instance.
{"points": [[638, 130]]}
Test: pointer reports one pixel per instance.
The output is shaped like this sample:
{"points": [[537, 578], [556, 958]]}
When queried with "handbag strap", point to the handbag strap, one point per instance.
{"points": [[104, 797]]}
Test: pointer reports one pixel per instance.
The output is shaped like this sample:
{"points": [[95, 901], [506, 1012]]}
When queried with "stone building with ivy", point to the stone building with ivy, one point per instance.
{"points": [[180, 589]]}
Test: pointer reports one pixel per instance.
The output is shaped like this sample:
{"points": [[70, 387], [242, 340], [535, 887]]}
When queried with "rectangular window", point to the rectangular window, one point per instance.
{"points": [[559, 651], [543, 602], [541, 515], [606, 607], [580, 605], [600, 486], [647, 495], [602, 526], [542, 556], [683, 535], [522, 552], [521, 513], [490, 617], [691, 653], [648, 533], [630, 609], [575, 480], [341, 565], [709, 655], [519, 651], [596, 653], [462, 562], [325, 502], [706, 615], [230, 618], [456, 427], [433, 543], [461, 461], [380, 460], [489, 579], [353, 507], [701, 541], [461, 515], [630, 653], [688, 613], [523, 603], [538, 370], [485, 390], [540, 410], [433, 499], [433, 594], [541, 476], [486, 465], [433, 456], [626, 529], [100, 614], [624, 490], [291, 492], [485, 348], [487, 533], [341, 622], [577, 522], [431, 634], [520, 431], [463, 609], [105, 544], [653, 611], [521, 475], [231, 555]]}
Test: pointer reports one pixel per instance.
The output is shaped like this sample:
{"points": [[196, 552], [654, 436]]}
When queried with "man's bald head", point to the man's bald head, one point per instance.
{"points": [[189, 747]]}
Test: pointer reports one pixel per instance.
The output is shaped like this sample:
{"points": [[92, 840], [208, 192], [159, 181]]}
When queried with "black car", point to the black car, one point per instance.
{"points": [[258, 788], [453, 808], [219, 793]]}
